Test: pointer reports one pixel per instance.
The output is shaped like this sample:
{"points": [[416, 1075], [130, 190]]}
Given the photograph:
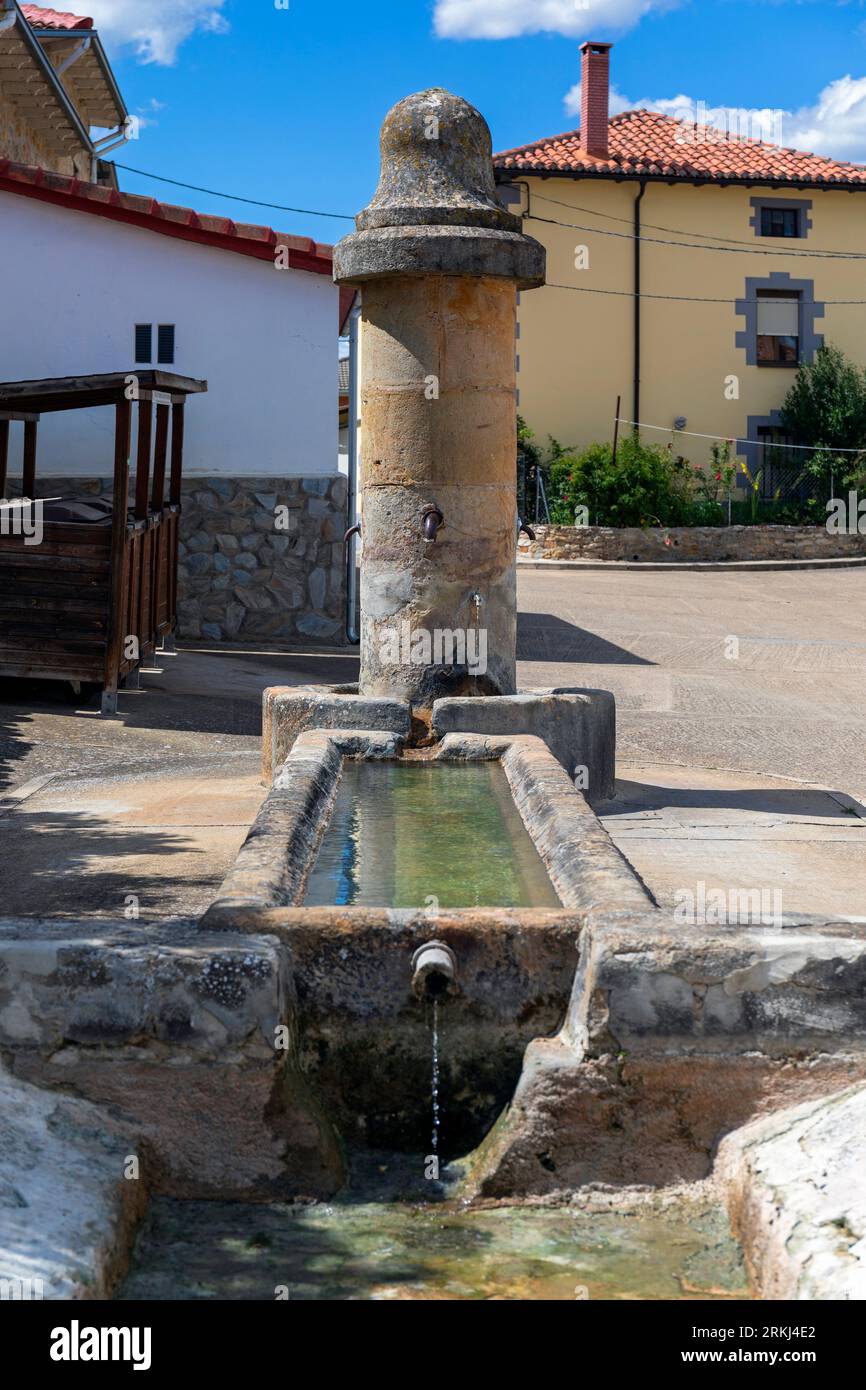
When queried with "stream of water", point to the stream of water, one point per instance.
{"points": [[435, 1079]]}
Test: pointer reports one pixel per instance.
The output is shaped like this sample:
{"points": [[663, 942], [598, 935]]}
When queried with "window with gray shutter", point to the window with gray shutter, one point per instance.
{"points": [[165, 344], [778, 329], [144, 342]]}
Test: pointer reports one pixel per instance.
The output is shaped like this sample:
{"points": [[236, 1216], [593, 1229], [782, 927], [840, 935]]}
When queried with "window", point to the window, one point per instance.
{"points": [[780, 222], [780, 314], [165, 344], [144, 342], [781, 217], [165, 335], [778, 328], [779, 466]]}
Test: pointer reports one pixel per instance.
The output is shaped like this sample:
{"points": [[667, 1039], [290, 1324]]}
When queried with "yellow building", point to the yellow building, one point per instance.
{"points": [[687, 274]]}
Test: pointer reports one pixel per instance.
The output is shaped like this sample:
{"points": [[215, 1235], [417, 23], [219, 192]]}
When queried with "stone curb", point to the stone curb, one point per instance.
{"points": [[740, 566]]}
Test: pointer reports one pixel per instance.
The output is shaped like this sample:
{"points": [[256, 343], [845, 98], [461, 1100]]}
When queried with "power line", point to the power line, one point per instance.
{"points": [[738, 439], [234, 197], [698, 299], [696, 245], [676, 231]]}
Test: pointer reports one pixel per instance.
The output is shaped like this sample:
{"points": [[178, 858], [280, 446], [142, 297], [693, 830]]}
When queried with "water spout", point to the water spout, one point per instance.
{"points": [[434, 971], [432, 520]]}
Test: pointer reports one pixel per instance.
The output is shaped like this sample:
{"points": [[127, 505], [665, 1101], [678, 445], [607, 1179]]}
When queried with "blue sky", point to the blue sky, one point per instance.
{"points": [[285, 104]]}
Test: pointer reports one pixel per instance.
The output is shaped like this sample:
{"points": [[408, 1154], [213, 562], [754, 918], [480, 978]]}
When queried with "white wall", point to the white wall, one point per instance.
{"points": [[75, 285]]}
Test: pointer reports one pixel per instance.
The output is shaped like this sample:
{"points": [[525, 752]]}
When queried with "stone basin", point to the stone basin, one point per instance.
{"points": [[364, 1039]]}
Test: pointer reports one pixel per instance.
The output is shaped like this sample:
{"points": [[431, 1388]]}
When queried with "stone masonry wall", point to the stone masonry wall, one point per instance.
{"points": [[241, 576], [242, 579], [21, 142], [712, 544]]}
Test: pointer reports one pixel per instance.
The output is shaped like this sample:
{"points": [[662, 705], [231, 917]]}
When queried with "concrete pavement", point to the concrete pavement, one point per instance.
{"points": [[740, 698], [741, 746]]}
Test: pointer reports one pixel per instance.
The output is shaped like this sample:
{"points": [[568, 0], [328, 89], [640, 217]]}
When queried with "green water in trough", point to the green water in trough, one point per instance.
{"points": [[404, 833]]}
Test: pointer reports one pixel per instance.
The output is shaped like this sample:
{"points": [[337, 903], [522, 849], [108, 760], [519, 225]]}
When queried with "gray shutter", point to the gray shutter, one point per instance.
{"points": [[165, 344], [144, 342]]}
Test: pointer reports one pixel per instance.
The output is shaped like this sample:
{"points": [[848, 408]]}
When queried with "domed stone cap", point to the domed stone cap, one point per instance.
{"points": [[437, 167], [435, 211]]}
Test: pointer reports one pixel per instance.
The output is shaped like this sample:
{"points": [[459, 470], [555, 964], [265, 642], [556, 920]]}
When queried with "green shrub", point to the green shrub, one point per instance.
{"points": [[826, 409], [647, 485]]}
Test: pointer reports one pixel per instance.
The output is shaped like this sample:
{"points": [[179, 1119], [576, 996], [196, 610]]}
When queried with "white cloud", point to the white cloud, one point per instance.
{"points": [[618, 102], [507, 19], [156, 28], [834, 126]]}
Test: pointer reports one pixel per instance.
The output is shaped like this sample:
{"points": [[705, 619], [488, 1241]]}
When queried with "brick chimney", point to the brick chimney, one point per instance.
{"points": [[594, 97]]}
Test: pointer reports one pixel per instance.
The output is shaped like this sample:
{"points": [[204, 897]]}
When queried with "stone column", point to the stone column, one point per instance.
{"points": [[439, 262]]}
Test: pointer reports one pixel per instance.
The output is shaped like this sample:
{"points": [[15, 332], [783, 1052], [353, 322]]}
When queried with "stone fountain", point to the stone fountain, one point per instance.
{"points": [[241, 1055], [440, 263]]}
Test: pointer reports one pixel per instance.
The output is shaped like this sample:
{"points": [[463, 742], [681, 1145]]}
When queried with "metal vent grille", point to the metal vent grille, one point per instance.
{"points": [[165, 343], [144, 342]]}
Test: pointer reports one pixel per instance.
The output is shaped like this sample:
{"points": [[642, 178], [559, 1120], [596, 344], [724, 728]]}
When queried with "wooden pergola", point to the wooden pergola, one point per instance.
{"points": [[91, 599]]}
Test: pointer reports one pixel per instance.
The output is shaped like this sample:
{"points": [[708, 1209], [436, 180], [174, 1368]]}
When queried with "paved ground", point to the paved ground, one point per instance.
{"points": [[721, 746], [737, 696], [151, 806]]}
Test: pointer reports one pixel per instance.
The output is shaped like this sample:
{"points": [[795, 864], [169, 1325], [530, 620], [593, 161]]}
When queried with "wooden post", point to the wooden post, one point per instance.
{"points": [[4, 456], [142, 458], [28, 482], [176, 452], [616, 427], [120, 501], [160, 449], [177, 425]]}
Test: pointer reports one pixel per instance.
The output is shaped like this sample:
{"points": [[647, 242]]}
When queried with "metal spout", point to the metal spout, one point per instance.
{"points": [[434, 971], [432, 520]]}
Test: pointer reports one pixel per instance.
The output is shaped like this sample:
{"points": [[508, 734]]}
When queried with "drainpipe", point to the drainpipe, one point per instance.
{"points": [[352, 633], [637, 290], [106, 144]]}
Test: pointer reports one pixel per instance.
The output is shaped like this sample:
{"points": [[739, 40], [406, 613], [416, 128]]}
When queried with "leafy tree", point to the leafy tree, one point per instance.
{"points": [[826, 409]]}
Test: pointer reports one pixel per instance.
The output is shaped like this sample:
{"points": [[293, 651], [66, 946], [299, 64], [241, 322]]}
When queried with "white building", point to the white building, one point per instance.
{"points": [[101, 281], [96, 280]]}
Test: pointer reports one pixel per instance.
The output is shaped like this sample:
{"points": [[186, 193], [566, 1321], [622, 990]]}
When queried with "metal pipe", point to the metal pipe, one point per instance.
{"points": [[637, 289], [352, 633], [434, 971], [432, 521], [77, 52], [101, 148]]}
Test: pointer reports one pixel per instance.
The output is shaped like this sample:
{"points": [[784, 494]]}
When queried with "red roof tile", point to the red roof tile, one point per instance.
{"points": [[138, 210], [648, 143], [39, 18]]}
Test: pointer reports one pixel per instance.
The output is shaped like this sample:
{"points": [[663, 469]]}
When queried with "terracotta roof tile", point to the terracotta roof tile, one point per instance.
{"points": [[647, 142], [136, 209], [39, 18]]}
